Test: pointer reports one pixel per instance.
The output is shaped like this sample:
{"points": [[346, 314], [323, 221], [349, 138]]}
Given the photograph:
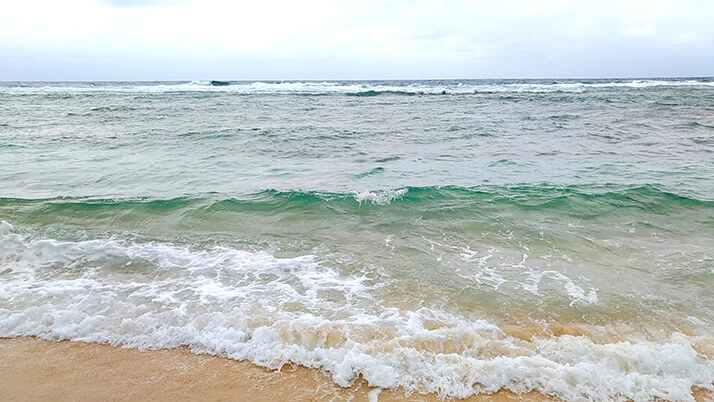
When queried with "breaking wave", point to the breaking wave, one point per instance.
{"points": [[354, 88], [276, 311]]}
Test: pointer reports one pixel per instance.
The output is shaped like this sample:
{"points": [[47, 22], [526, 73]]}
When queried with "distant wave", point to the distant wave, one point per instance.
{"points": [[353, 88], [377, 93]]}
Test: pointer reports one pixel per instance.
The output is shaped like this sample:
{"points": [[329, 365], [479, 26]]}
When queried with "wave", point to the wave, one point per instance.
{"points": [[582, 200], [354, 88], [391, 92], [251, 305]]}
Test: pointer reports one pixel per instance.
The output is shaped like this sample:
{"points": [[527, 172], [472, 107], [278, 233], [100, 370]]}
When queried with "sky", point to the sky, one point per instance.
{"points": [[46, 40]]}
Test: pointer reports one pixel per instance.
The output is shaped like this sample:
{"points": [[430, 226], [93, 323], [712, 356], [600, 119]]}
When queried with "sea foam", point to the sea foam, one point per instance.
{"points": [[276, 311], [380, 197]]}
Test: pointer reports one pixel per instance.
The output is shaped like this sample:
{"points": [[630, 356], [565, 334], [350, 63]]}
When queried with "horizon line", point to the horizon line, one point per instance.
{"points": [[380, 79]]}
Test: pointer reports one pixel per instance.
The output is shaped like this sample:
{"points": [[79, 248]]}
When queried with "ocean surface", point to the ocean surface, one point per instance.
{"points": [[455, 237]]}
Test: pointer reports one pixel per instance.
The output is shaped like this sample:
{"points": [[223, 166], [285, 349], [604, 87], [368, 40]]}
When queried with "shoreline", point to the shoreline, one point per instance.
{"points": [[35, 369]]}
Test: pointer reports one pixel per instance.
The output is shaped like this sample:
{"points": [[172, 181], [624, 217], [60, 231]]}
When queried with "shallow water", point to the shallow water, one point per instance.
{"points": [[443, 236]]}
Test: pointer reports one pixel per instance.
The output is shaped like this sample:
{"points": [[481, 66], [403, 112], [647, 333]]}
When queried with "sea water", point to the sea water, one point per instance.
{"points": [[455, 237]]}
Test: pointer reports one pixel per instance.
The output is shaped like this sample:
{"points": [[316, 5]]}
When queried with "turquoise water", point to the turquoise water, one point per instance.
{"points": [[443, 236]]}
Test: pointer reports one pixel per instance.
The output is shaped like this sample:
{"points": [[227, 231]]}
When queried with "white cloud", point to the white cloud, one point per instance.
{"points": [[639, 31]]}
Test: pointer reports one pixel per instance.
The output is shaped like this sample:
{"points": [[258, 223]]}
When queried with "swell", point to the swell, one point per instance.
{"points": [[544, 196], [579, 199], [393, 92]]}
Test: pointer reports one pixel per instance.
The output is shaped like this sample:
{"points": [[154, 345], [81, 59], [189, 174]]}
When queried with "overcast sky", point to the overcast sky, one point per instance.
{"points": [[283, 39]]}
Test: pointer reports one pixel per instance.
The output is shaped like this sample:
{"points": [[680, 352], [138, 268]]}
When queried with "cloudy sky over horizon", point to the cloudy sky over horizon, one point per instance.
{"points": [[278, 39]]}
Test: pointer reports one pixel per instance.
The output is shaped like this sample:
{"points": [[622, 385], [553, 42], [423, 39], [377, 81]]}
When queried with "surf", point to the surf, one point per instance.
{"points": [[272, 311]]}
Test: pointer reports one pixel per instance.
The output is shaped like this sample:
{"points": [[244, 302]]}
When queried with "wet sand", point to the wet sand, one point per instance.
{"points": [[32, 369]]}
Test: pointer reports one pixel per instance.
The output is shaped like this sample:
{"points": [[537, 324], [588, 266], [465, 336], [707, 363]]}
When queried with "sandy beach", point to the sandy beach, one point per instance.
{"points": [[33, 369]]}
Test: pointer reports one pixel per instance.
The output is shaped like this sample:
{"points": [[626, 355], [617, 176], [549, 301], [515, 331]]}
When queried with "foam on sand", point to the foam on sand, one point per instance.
{"points": [[37, 370]]}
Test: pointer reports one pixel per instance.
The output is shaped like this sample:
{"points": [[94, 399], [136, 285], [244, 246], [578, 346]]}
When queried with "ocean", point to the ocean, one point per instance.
{"points": [[448, 236]]}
